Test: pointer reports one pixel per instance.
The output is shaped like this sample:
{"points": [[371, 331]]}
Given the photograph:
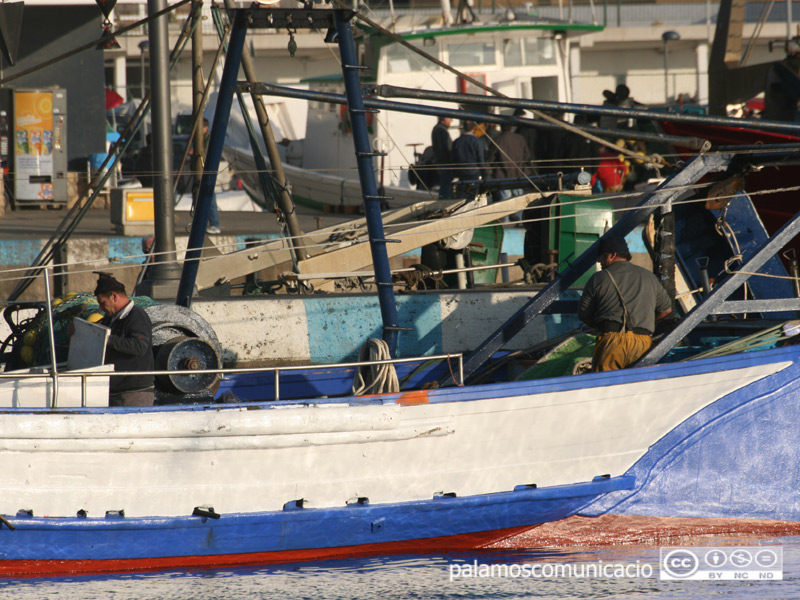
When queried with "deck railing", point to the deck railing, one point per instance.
{"points": [[84, 375]]}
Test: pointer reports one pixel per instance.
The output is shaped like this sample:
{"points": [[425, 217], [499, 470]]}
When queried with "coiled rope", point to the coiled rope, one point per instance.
{"points": [[376, 379]]}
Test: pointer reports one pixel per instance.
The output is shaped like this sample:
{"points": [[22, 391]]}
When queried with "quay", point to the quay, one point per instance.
{"points": [[96, 245]]}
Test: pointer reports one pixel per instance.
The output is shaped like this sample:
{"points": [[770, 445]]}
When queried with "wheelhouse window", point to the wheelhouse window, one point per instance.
{"points": [[519, 52], [471, 54], [400, 59]]}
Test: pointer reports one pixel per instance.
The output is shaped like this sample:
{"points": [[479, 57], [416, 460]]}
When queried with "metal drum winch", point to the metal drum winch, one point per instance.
{"points": [[183, 340], [187, 354]]}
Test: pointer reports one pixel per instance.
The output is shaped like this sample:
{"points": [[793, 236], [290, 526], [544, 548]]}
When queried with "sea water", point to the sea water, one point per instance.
{"points": [[427, 577]]}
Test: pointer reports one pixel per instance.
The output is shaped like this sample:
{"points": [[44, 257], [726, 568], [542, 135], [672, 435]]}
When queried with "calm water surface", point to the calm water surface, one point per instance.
{"points": [[416, 577]]}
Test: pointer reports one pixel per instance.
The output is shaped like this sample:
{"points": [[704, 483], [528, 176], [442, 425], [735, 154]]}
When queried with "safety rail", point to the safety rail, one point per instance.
{"points": [[84, 375]]}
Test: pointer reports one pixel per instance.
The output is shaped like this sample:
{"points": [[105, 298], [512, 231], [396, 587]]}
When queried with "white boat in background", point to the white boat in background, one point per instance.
{"points": [[521, 59]]}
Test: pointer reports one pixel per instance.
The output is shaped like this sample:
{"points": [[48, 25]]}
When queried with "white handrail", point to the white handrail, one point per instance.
{"points": [[85, 374], [51, 334]]}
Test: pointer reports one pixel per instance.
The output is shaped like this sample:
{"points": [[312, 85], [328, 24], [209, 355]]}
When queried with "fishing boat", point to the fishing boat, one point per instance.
{"points": [[518, 57], [465, 456]]}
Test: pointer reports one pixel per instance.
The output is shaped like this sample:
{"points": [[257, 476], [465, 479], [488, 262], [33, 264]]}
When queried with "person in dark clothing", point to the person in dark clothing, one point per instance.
{"points": [[130, 345], [468, 156], [623, 302], [509, 155], [442, 145], [213, 210], [509, 158], [551, 146], [528, 132], [619, 98], [144, 163]]}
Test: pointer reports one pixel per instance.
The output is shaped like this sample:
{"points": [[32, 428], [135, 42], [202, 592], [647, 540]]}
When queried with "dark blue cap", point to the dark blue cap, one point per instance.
{"points": [[613, 244]]}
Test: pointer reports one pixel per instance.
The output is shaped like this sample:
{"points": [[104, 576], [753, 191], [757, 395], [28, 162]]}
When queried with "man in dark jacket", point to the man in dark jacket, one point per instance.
{"points": [[130, 345], [469, 157], [509, 158], [442, 144]]}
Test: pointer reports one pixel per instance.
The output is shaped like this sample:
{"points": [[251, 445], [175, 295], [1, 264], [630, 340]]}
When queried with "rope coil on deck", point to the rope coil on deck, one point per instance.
{"points": [[375, 379]]}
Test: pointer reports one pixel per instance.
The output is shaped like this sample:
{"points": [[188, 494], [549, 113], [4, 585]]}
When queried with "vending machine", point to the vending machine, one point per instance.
{"points": [[39, 141]]}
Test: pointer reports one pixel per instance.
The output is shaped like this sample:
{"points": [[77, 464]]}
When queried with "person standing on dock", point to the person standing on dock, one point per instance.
{"points": [[623, 302], [130, 345], [468, 157], [213, 210], [442, 145]]}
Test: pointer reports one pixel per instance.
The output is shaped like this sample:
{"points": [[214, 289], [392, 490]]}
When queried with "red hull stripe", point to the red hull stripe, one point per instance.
{"points": [[41, 568]]}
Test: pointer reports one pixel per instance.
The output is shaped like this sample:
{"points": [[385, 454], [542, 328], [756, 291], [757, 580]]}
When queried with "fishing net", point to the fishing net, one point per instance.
{"points": [[567, 358], [35, 340]]}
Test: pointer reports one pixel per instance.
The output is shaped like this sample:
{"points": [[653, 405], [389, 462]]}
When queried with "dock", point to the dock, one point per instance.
{"points": [[96, 245]]}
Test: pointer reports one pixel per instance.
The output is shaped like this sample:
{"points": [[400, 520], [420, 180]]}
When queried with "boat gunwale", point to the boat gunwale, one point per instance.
{"points": [[786, 356]]}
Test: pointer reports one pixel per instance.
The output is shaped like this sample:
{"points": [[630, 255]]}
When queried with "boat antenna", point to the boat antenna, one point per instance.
{"points": [[653, 159]]}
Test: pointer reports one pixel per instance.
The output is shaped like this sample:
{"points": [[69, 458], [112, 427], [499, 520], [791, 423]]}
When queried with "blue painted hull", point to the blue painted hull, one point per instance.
{"points": [[39, 546], [737, 458]]}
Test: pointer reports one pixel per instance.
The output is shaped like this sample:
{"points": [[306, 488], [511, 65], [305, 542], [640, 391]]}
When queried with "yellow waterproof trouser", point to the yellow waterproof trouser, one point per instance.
{"points": [[619, 350]]}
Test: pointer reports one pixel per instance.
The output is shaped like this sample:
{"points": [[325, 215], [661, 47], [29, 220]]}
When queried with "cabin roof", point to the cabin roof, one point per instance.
{"points": [[472, 28]]}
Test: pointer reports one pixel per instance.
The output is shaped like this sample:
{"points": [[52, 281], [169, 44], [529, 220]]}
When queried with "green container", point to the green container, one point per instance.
{"points": [[487, 242], [577, 222]]}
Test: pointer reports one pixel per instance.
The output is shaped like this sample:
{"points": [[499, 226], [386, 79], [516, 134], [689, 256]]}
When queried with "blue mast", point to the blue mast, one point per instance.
{"points": [[366, 173], [216, 140]]}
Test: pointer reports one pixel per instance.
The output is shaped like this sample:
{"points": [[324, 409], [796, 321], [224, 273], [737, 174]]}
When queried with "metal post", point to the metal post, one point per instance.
{"points": [[666, 73], [198, 85], [143, 46], [165, 270], [215, 144], [416, 108], [391, 91], [667, 37], [702, 264], [794, 270], [369, 188], [51, 335]]}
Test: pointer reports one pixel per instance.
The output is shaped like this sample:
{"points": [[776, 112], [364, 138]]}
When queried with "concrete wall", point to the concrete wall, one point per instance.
{"points": [[324, 329]]}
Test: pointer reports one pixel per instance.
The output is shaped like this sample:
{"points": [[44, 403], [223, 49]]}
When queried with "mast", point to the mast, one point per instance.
{"points": [[366, 173], [165, 271]]}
